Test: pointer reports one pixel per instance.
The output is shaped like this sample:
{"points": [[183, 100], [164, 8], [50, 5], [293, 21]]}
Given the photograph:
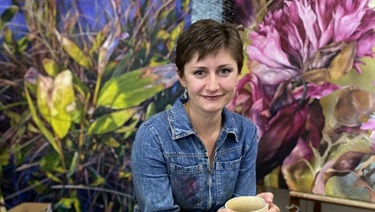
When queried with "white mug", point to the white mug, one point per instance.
{"points": [[247, 204]]}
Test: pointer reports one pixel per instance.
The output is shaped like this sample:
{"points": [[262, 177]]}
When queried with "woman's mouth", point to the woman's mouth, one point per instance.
{"points": [[212, 97]]}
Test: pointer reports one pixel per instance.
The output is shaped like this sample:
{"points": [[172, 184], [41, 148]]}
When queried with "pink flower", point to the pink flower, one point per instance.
{"points": [[370, 125], [294, 54], [288, 37], [280, 137]]}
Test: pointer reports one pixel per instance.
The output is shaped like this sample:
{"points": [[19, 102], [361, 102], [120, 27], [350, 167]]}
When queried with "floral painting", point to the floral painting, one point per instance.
{"points": [[310, 89]]}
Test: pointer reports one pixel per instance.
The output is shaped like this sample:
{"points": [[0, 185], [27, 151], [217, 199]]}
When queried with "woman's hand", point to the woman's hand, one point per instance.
{"points": [[268, 197]]}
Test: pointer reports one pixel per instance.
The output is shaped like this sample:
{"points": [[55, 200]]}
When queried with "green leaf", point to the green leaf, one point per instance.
{"points": [[130, 128], [100, 37], [19, 157], [13, 116], [174, 35], [124, 175], [50, 162], [164, 12], [150, 110], [69, 144], [75, 53], [4, 157], [43, 89], [53, 177], [162, 34], [8, 14], [129, 90], [80, 87], [110, 122], [62, 103], [77, 114], [111, 142], [40, 125], [123, 64], [77, 204], [73, 164], [66, 203], [147, 46], [157, 60], [347, 144], [51, 67], [98, 181], [168, 106], [112, 64], [37, 186], [185, 5], [136, 97], [32, 87], [8, 36], [22, 44]]}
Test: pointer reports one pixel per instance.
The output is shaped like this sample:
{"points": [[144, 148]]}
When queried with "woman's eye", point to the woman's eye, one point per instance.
{"points": [[199, 73], [225, 71]]}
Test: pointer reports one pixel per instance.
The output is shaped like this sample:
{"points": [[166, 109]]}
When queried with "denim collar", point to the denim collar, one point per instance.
{"points": [[181, 125]]}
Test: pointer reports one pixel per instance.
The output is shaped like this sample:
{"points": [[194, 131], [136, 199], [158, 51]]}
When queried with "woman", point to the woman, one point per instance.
{"points": [[198, 155]]}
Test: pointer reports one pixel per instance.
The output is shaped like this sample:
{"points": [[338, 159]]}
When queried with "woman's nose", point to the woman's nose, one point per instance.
{"points": [[213, 83]]}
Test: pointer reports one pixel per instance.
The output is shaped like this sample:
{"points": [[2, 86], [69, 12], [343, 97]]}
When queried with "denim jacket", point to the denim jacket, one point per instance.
{"points": [[171, 169]]}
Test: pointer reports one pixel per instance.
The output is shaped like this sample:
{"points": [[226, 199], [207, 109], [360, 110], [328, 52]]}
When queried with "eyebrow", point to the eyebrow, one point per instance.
{"points": [[225, 65], [221, 66]]}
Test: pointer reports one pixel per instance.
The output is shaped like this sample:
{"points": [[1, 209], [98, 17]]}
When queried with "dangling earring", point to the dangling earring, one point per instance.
{"points": [[185, 95]]}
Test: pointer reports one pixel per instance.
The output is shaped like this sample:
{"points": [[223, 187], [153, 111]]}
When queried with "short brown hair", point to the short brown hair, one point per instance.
{"points": [[207, 37]]}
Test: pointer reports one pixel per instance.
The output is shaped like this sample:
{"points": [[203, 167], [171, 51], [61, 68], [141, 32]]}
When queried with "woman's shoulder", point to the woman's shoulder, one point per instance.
{"points": [[157, 119], [162, 117], [153, 128], [242, 121]]}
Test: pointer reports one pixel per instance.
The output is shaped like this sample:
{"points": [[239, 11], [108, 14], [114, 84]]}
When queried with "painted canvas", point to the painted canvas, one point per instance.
{"points": [[76, 79], [310, 89]]}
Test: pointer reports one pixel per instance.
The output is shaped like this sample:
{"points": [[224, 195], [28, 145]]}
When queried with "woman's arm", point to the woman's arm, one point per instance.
{"points": [[150, 175]]}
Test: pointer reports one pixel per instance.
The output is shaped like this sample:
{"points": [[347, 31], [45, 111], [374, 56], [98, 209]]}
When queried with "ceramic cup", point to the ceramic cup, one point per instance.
{"points": [[247, 204]]}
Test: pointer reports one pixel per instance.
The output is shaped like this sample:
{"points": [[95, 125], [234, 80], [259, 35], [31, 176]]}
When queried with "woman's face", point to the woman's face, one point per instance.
{"points": [[211, 82]]}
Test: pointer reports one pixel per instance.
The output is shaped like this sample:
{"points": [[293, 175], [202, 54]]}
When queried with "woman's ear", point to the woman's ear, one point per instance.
{"points": [[181, 78]]}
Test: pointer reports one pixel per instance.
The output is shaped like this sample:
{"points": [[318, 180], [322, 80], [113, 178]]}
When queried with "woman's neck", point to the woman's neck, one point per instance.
{"points": [[204, 123], [207, 126]]}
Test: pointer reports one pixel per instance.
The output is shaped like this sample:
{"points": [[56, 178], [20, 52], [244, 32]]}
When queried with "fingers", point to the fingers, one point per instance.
{"points": [[273, 208], [267, 196]]}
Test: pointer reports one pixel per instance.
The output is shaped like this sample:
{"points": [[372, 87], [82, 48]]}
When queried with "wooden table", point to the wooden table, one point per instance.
{"points": [[295, 196]]}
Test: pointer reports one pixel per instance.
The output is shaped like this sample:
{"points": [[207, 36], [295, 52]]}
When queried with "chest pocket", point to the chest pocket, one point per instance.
{"points": [[228, 165], [187, 185], [227, 173]]}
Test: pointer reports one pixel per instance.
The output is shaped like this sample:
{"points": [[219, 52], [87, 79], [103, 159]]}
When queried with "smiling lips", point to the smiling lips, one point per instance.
{"points": [[212, 97]]}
